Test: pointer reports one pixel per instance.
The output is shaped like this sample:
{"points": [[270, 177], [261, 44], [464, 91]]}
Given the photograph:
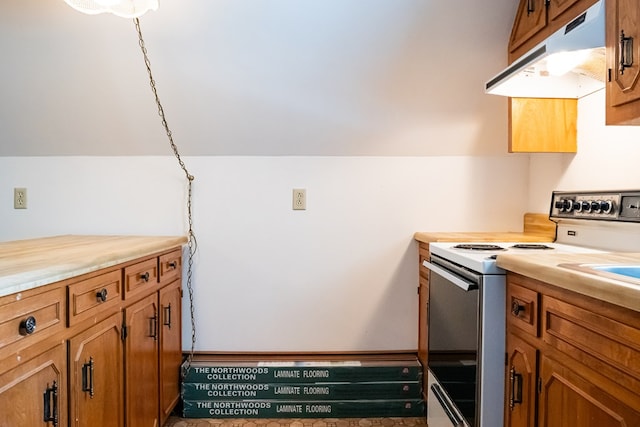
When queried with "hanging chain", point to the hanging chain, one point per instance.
{"points": [[192, 243]]}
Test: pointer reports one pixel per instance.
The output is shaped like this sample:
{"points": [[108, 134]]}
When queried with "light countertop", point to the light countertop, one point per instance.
{"points": [[428, 237], [536, 228], [545, 267], [26, 264]]}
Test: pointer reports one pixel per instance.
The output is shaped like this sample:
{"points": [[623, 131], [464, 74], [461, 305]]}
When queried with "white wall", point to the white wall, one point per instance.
{"points": [[340, 276], [376, 107], [607, 158]]}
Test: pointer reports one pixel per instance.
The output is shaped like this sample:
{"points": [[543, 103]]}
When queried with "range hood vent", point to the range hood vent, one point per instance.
{"points": [[569, 64]]}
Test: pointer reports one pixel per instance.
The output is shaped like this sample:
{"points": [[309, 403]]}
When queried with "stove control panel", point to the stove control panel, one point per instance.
{"points": [[603, 205]]}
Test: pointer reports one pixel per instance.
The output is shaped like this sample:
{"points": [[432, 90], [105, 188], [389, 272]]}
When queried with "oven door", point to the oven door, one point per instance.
{"points": [[441, 411], [454, 341]]}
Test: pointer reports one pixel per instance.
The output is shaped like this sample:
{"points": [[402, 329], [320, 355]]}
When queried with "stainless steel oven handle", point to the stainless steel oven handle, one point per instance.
{"points": [[461, 283], [447, 406]]}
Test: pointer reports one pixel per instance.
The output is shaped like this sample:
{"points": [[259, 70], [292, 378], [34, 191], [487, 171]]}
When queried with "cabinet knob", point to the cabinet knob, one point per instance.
{"points": [[173, 264], [517, 308], [145, 276], [28, 326], [102, 295]]}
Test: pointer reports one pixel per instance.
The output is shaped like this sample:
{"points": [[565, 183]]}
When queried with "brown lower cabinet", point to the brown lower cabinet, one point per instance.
{"points": [[572, 361], [117, 361], [33, 393], [96, 372]]}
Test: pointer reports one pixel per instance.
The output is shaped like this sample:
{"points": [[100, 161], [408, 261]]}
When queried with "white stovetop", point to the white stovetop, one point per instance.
{"points": [[481, 261]]}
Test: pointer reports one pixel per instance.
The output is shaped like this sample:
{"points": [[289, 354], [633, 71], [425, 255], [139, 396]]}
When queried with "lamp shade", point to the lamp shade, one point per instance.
{"points": [[122, 8]]}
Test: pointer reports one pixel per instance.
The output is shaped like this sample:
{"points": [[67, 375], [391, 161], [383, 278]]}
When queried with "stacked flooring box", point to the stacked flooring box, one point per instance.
{"points": [[371, 387]]}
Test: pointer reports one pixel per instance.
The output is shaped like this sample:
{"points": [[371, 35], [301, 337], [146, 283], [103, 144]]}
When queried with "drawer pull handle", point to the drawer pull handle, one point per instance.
{"points": [[87, 377], [516, 388], [167, 316], [517, 308], [173, 265], [153, 326], [28, 326], [626, 52], [145, 276], [51, 394], [102, 295]]}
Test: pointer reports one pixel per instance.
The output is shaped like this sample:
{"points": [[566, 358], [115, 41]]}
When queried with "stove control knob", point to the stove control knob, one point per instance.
{"points": [[564, 205], [585, 206], [606, 206], [595, 207], [569, 205]]}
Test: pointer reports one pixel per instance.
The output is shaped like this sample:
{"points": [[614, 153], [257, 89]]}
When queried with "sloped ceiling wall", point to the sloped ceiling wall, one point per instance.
{"points": [[256, 77]]}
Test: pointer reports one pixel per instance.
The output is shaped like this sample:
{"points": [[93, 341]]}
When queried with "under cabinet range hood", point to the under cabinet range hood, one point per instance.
{"points": [[568, 64]]}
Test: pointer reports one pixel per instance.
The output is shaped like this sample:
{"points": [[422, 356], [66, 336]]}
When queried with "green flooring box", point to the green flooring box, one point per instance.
{"points": [[302, 391], [308, 409], [303, 372]]}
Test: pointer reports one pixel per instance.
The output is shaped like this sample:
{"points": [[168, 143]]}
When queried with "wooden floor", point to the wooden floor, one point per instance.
{"points": [[306, 422]]}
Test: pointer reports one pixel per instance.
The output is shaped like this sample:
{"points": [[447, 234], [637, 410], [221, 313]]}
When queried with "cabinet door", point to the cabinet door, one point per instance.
{"points": [[96, 375], [170, 347], [531, 18], [141, 363], [561, 11], [520, 383], [568, 400], [35, 390], [623, 86], [543, 125]]}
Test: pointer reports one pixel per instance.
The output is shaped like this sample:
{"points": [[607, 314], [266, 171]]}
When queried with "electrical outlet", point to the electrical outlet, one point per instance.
{"points": [[20, 198], [299, 199]]}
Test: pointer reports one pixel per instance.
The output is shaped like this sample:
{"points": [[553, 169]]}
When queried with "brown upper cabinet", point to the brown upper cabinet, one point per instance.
{"points": [[549, 125], [538, 125], [537, 19], [623, 54]]}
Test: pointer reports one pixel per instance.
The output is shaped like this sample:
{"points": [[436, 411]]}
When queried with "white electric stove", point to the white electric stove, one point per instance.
{"points": [[467, 307]]}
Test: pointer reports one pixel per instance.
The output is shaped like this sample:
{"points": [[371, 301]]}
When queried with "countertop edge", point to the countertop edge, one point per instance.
{"points": [[545, 269], [98, 254]]}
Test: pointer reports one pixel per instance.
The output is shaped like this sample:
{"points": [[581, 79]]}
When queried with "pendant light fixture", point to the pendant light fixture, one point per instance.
{"points": [[122, 8], [134, 9]]}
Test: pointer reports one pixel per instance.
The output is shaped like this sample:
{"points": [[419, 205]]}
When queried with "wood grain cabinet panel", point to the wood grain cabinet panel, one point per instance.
{"points": [[97, 375], [95, 296], [588, 360], [543, 125], [170, 347], [623, 85], [521, 376], [531, 19], [170, 267], [141, 363], [140, 279], [568, 400], [30, 317], [522, 308], [423, 309], [33, 392]]}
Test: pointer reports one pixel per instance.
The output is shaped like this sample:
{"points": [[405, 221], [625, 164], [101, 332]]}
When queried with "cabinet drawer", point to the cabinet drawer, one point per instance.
{"points": [[97, 295], [141, 278], [30, 317], [522, 308], [170, 266], [594, 338]]}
